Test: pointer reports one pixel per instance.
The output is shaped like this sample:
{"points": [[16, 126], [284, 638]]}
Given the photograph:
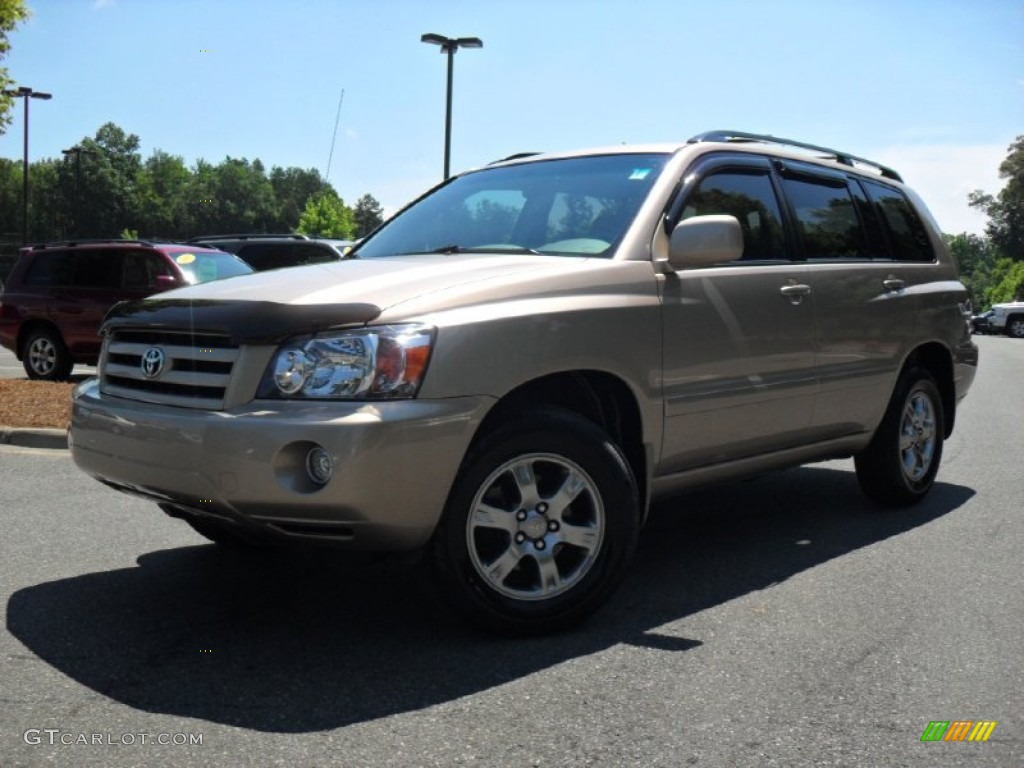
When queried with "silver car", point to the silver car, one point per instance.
{"points": [[508, 371]]}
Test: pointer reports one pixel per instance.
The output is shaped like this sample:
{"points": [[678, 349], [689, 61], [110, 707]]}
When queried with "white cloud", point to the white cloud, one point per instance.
{"points": [[944, 174], [101, 4]]}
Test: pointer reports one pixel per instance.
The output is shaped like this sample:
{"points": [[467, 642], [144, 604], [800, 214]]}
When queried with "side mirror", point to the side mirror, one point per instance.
{"points": [[705, 240], [165, 283]]}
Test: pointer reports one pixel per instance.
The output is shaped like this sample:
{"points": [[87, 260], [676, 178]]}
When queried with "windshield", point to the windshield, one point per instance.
{"points": [[573, 206], [204, 266]]}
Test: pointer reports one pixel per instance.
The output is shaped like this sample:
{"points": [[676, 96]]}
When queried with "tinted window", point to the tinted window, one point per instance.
{"points": [[749, 197], [97, 269], [905, 232], [262, 256], [312, 254], [54, 268], [141, 269], [826, 218]]}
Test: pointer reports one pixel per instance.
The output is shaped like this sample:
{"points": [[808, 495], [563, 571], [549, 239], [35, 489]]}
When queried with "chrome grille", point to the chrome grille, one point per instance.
{"points": [[195, 371]]}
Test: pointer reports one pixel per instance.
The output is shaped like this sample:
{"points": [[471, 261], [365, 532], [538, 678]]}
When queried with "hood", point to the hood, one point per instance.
{"points": [[381, 282], [265, 307]]}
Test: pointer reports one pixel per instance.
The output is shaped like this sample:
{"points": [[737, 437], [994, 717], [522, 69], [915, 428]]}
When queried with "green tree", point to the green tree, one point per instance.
{"points": [[12, 13], [163, 184], [101, 198], [368, 214], [976, 257], [326, 215], [1007, 282], [1006, 210], [292, 188]]}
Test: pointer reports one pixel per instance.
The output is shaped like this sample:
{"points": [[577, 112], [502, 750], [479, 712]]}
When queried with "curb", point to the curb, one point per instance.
{"points": [[54, 439]]}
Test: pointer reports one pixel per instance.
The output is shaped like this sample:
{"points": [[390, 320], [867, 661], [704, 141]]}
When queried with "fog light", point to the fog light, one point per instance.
{"points": [[319, 465]]}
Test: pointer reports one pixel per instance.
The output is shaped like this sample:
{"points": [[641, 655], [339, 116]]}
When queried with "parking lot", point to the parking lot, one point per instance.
{"points": [[777, 622], [11, 368]]}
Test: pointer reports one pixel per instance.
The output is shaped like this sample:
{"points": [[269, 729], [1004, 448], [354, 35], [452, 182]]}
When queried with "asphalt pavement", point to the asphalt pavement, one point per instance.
{"points": [[780, 622]]}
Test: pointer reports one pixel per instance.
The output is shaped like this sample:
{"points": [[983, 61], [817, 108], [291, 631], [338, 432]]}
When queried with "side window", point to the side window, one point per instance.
{"points": [[749, 197], [826, 218], [141, 269], [903, 228], [311, 254], [98, 269], [52, 268], [261, 256]]}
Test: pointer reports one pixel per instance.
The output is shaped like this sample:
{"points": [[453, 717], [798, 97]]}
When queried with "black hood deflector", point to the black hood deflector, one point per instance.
{"points": [[246, 322]]}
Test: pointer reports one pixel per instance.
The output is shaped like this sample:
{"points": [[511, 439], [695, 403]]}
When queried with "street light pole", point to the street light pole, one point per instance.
{"points": [[26, 94], [450, 45]]}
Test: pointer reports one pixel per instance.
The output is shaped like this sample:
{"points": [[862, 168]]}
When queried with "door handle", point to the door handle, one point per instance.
{"points": [[795, 292], [893, 284]]}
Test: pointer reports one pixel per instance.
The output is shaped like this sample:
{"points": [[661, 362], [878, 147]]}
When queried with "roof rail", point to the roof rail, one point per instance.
{"points": [[89, 241], [844, 158], [256, 236], [516, 156]]}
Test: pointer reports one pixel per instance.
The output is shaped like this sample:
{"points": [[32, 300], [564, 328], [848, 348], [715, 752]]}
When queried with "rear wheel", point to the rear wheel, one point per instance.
{"points": [[899, 465], [45, 356], [1015, 327], [539, 527]]}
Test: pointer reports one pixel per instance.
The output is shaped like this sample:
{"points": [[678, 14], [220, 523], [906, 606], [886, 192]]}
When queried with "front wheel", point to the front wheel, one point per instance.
{"points": [[899, 465], [539, 527], [1015, 327]]}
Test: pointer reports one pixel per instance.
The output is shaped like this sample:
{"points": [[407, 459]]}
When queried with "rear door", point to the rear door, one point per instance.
{"points": [[739, 378], [865, 308], [97, 287]]}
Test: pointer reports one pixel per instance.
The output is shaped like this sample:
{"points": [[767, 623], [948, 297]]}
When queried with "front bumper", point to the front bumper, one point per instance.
{"points": [[394, 462]]}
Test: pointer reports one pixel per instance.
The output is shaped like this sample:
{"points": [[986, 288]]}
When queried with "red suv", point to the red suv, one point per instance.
{"points": [[58, 294]]}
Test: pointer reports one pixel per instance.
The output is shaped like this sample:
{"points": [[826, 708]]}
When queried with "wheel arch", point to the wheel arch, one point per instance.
{"points": [[600, 397], [35, 324], [938, 361]]}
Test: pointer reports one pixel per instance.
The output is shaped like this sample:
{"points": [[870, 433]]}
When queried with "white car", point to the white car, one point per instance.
{"points": [[1008, 318]]}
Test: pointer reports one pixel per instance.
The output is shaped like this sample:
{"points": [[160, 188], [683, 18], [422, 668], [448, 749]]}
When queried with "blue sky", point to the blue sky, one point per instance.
{"points": [[931, 87]]}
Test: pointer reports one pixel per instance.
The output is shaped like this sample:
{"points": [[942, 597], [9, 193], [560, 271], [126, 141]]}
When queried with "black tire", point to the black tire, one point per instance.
{"points": [[898, 467], [561, 522], [45, 357], [1015, 327]]}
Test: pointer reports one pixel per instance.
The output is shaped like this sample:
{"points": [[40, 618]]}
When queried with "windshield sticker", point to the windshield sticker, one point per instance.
{"points": [[186, 258], [639, 174]]}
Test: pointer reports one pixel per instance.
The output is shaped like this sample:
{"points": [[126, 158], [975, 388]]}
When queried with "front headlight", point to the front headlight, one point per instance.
{"points": [[370, 363]]}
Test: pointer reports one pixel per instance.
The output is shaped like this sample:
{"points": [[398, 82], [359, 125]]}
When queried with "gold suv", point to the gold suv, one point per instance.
{"points": [[510, 370]]}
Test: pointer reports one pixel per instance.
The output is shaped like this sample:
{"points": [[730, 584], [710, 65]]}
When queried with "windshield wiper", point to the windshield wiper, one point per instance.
{"points": [[456, 248]]}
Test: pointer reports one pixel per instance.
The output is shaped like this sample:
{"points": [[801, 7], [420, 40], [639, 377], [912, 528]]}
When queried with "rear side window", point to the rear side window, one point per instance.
{"points": [[826, 219], [51, 268], [908, 240], [749, 197]]}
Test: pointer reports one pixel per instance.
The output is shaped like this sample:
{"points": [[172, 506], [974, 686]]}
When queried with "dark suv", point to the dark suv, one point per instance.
{"points": [[263, 252], [58, 294]]}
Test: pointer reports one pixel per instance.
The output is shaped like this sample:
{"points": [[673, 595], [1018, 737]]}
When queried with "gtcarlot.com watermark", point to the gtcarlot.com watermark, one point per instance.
{"points": [[55, 736]]}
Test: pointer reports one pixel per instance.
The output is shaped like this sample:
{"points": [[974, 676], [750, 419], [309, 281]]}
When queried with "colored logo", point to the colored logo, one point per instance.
{"points": [[152, 362], [958, 730]]}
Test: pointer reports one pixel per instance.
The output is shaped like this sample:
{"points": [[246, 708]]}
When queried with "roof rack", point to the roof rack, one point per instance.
{"points": [[843, 158], [88, 241], [516, 156], [257, 236]]}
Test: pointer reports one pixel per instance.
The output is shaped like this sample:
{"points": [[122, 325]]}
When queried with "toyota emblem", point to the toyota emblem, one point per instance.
{"points": [[152, 362]]}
